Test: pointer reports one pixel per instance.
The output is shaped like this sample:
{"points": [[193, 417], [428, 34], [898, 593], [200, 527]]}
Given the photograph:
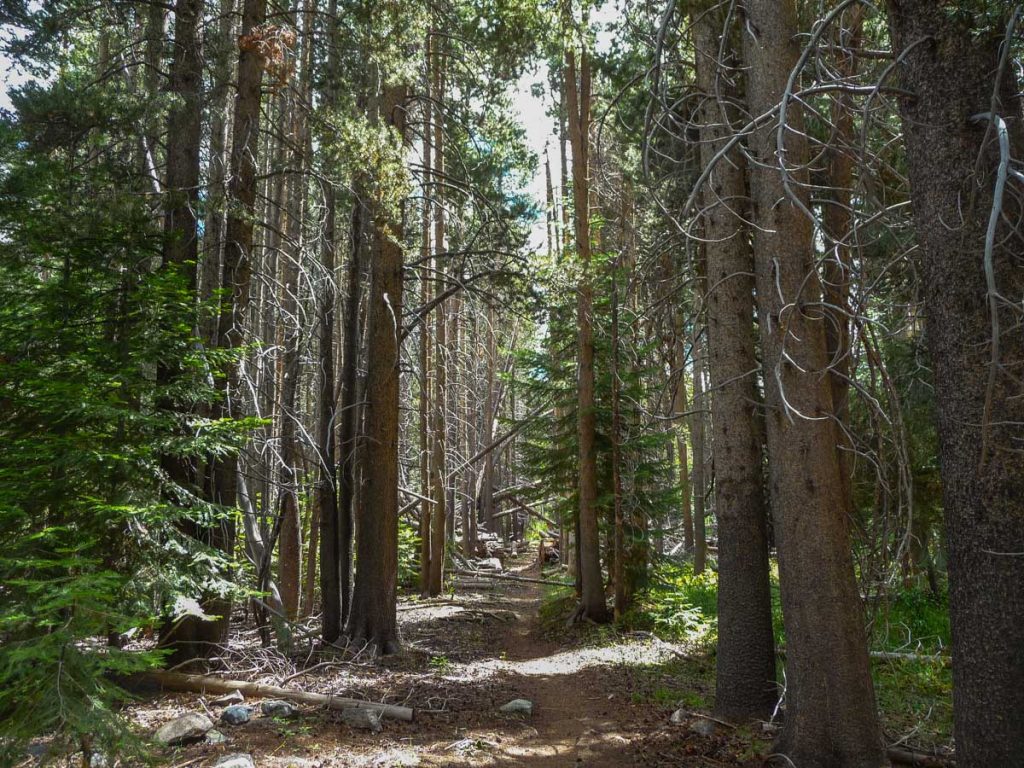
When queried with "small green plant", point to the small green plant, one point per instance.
{"points": [[442, 665], [678, 604]]}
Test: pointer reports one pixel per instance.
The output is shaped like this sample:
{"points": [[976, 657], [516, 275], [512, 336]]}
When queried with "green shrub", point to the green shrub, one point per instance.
{"points": [[91, 542], [678, 604]]}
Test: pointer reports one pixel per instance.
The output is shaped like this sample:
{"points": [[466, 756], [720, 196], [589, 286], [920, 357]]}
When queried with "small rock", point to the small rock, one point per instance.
{"points": [[365, 719], [678, 717], [490, 564], [703, 726], [235, 761], [215, 737], [98, 760], [518, 707], [236, 714], [181, 730], [278, 709], [235, 697], [38, 750]]}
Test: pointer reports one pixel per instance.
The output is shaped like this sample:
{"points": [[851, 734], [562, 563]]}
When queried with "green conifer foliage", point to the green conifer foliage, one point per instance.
{"points": [[90, 553]]}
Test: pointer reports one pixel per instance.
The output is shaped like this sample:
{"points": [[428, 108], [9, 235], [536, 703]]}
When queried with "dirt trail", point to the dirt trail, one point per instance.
{"points": [[594, 704], [582, 713]]}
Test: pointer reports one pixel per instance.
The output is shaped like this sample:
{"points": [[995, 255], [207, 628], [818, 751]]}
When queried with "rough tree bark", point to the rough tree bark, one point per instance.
{"points": [[184, 134], [955, 157], [838, 268], [699, 487], [592, 600], [745, 659], [439, 400], [188, 637], [289, 333], [425, 285], [327, 490], [349, 405], [237, 267], [221, 100], [831, 720], [679, 407], [491, 362], [373, 616]]}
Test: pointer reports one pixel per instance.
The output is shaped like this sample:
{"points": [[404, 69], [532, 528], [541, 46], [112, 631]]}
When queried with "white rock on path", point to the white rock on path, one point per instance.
{"points": [[238, 760], [288, 762], [235, 697], [518, 707]]}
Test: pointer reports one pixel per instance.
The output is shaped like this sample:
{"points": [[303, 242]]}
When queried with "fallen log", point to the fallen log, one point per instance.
{"points": [[918, 759], [922, 657], [476, 584], [510, 577], [178, 681]]}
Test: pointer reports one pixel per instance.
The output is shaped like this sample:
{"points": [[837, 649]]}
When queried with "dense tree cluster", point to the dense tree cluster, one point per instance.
{"points": [[277, 338]]}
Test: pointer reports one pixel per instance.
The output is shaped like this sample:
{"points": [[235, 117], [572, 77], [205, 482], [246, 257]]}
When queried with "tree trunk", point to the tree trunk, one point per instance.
{"points": [[220, 103], [439, 515], [619, 547], [969, 260], [373, 616], [491, 361], [327, 490], [237, 267], [679, 407], [745, 658], [290, 334], [189, 637], [697, 433], [831, 720], [592, 603], [350, 404], [838, 268], [184, 134]]}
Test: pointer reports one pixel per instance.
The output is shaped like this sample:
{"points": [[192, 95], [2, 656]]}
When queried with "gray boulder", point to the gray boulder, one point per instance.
{"points": [[364, 719], [278, 709], [703, 726], [182, 730], [236, 714]]}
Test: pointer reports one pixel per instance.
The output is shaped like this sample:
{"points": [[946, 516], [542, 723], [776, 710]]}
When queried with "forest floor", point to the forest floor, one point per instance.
{"points": [[603, 699]]}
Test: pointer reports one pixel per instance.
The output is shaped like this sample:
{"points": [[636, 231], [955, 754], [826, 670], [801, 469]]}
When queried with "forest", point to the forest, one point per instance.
{"points": [[512, 383]]}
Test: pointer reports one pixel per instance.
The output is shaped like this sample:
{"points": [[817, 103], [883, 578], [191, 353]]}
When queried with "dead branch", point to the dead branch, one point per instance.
{"points": [[177, 681], [510, 577]]}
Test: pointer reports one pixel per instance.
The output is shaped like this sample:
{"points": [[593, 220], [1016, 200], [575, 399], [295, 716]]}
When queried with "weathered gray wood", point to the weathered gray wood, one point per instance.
{"points": [[177, 681], [510, 577]]}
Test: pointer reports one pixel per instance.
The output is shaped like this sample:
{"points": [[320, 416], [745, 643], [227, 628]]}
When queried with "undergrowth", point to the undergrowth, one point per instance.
{"points": [[914, 697]]}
